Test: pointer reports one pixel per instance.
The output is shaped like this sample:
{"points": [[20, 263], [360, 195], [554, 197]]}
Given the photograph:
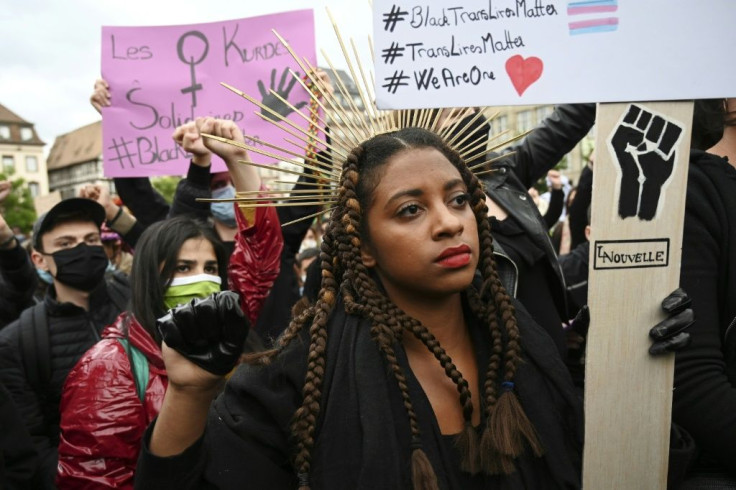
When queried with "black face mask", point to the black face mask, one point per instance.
{"points": [[81, 267]]}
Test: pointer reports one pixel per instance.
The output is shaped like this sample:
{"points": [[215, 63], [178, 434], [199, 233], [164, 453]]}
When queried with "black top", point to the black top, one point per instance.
{"points": [[705, 372], [362, 435]]}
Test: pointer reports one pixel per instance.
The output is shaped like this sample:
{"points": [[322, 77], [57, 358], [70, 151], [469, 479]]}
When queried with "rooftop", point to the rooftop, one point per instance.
{"points": [[16, 130], [81, 145]]}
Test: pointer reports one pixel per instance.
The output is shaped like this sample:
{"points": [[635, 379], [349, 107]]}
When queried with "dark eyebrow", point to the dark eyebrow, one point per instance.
{"points": [[453, 183], [406, 192], [65, 237], [449, 185], [93, 234]]}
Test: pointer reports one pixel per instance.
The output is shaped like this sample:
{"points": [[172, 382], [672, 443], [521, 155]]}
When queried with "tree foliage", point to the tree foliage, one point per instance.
{"points": [[166, 186], [18, 209]]}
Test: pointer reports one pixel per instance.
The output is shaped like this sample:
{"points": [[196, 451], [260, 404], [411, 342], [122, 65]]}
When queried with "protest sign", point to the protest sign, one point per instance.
{"points": [[508, 52], [162, 77], [636, 244]]}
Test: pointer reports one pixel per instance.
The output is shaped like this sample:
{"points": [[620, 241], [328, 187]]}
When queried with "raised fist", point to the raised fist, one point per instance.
{"points": [[208, 332], [645, 149]]}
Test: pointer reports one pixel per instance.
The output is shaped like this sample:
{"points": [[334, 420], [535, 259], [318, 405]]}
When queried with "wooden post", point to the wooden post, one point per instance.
{"points": [[636, 243]]}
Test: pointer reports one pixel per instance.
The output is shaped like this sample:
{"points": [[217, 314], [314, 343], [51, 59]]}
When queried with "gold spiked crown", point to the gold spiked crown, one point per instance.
{"points": [[371, 122]]}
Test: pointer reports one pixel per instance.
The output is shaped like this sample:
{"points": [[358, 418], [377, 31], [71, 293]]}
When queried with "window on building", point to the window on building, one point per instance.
{"points": [[8, 164], [524, 121], [26, 134], [543, 112], [31, 164], [34, 188], [4, 132], [500, 124]]}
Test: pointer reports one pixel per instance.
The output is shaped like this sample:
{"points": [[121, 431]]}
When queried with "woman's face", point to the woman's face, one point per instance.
{"points": [[423, 236], [196, 256]]}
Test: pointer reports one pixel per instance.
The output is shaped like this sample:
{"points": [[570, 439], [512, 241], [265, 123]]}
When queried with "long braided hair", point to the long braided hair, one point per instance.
{"points": [[507, 432]]}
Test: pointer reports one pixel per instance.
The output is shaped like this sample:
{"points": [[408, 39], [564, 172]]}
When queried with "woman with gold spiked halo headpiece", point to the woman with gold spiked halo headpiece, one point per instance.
{"points": [[413, 369]]}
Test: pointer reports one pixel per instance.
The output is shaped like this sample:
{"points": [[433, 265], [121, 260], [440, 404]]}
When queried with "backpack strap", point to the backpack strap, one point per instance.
{"points": [[138, 366], [35, 347]]}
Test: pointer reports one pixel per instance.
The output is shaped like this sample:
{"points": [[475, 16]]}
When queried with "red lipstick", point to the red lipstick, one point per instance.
{"points": [[454, 257]]}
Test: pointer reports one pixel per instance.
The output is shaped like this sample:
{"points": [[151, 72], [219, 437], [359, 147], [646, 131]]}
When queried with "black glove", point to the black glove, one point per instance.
{"points": [[210, 332], [669, 335]]}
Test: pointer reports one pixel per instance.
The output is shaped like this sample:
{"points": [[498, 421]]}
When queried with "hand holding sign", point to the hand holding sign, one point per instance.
{"points": [[272, 101], [644, 145], [101, 95]]}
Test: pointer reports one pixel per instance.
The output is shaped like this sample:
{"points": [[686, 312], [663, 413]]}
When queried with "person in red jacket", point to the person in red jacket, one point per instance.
{"points": [[117, 388]]}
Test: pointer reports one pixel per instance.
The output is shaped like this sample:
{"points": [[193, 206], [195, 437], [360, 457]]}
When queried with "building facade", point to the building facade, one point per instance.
{"points": [[21, 152], [76, 160]]}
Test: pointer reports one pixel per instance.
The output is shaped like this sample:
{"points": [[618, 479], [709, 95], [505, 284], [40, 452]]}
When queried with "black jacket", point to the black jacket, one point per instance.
{"points": [[526, 163], [72, 331], [705, 372], [575, 270], [362, 435], [18, 458], [18, 282]]}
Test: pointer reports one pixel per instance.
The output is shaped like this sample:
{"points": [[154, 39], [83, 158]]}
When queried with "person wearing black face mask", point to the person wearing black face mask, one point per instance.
{"points": [[38, 350]]}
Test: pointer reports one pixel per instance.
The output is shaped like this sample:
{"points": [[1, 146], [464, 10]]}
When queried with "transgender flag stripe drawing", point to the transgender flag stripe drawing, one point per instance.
{"points": [[595, 16]]}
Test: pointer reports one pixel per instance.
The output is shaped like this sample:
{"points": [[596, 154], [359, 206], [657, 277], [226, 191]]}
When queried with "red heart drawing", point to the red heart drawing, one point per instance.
{"points": [[524, 72]]}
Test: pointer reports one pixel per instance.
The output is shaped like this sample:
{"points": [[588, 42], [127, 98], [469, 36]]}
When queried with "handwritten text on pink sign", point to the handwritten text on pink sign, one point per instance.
{"points": [[162, 77]]}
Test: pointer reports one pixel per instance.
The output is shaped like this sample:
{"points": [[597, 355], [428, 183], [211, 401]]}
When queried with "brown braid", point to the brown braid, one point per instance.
{"points": [[507, 426]]}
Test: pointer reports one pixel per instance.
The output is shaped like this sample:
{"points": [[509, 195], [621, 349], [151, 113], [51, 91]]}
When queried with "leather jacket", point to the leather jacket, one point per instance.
{"points": [[525, 163]]}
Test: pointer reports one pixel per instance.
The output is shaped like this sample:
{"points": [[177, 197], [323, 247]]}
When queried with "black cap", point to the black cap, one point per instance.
{"points": [[77, 207]]}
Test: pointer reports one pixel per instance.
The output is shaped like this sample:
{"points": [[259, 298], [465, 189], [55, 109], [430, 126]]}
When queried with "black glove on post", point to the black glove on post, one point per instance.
{"points": [[669, 335], [209, 332]]}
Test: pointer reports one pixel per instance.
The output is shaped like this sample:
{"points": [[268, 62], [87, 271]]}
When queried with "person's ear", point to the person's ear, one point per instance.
{"points": [[39, 260], [587, 232], [366, 255]]}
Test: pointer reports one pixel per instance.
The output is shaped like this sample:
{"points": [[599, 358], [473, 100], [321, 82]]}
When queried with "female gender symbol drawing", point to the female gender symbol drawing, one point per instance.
{"points": [[180, 50]]}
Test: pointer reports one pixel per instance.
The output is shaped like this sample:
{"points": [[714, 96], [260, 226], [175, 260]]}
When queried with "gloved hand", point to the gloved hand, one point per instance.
{"points": [[669, 335], [209, 332]]}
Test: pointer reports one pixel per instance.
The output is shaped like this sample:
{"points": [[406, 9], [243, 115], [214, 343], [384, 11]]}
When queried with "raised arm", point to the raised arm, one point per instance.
{"points": [[117, 218], [196, 185], [255, 262], [18, 278], [546, 144]]}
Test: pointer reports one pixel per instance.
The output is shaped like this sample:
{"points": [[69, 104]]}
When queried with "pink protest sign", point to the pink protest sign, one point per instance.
{"points": [[161, 77]]}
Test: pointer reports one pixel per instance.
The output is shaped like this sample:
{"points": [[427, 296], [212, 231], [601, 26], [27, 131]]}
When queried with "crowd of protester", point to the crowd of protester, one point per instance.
{"points": [[201, 345]]}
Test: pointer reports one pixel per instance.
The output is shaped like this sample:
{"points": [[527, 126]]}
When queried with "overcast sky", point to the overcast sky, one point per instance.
{"points": [[51, 49]]}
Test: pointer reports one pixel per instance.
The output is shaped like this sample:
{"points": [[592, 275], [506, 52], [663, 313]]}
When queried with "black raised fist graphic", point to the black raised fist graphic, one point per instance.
{"points": [[645, 149]]}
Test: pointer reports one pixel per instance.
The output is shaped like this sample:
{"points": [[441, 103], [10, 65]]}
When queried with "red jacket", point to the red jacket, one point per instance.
{"points": [[102, 418], [256, 260]]}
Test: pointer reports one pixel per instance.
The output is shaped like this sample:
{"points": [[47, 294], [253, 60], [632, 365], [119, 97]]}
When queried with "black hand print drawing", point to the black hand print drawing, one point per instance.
{"points": [[274, 103]]}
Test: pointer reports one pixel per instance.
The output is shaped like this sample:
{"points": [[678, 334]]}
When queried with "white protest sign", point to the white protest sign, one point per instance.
{"points": [[440, 53]]}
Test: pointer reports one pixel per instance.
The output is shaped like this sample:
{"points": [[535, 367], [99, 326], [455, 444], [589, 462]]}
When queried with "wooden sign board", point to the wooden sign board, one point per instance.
{"points": [[637, 221]]}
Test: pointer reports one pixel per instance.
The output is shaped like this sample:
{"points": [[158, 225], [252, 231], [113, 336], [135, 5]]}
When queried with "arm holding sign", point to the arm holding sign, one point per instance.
{"points": [[546, 144]]}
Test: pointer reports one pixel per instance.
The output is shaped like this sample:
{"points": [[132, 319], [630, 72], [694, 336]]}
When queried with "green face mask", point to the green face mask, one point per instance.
{"points": [[184, 289]]}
